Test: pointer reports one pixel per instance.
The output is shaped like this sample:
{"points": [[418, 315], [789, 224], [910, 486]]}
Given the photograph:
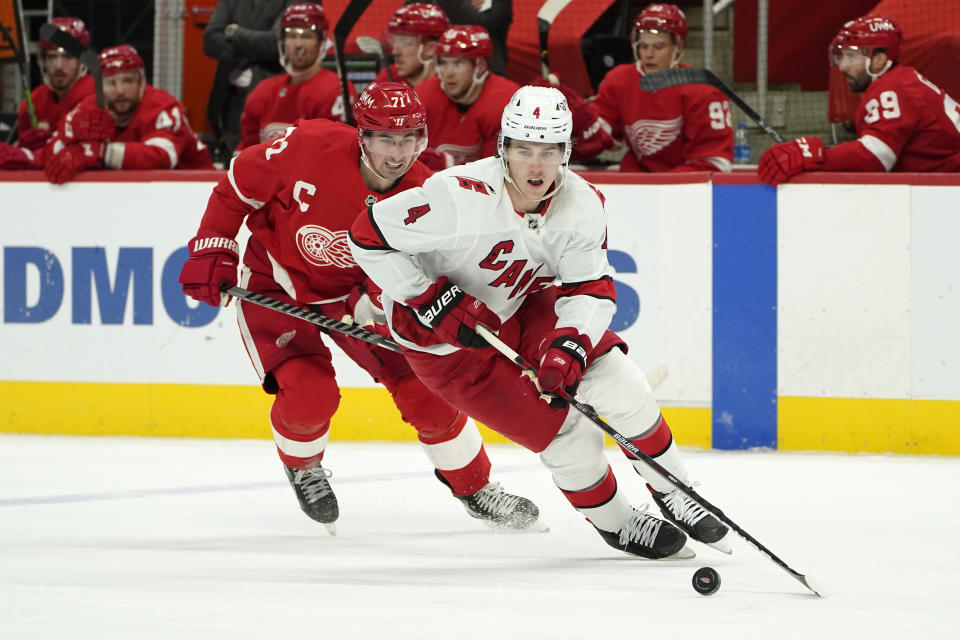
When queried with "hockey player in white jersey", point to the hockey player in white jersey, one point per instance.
{"points": [[485, 243]]}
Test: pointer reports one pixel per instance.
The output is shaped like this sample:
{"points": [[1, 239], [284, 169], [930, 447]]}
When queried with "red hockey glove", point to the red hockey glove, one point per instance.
{"points": [[213, 260], [34, 139], [64, 166], [87, 124], [453, 315], [782, 161], [364, 307], [433, 159], [14, 158], [563, 358]]}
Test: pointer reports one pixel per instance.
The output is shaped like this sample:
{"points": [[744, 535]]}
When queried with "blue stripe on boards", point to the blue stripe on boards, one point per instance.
{"points": [[744, 316]]}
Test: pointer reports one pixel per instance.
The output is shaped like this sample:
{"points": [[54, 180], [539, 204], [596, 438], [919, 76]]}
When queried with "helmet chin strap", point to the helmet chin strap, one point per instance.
{"points": [[874, 76], [369, 165], [561, 176]]}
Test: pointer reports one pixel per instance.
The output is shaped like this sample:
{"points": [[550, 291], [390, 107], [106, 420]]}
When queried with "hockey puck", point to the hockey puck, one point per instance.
{"points": [[706, 581]]}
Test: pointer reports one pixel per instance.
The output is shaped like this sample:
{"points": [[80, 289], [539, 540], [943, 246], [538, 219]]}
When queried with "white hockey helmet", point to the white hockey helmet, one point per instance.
{"points": [[537, 114]]}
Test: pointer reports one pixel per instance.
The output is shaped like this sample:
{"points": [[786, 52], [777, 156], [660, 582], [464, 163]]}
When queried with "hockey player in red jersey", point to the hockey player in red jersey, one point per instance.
{"points": [[298, 210], [682, 128], [305, 91], [464, 101], [904, 122], [65, 84], [142, 127], [484, 243], [411, 38]]}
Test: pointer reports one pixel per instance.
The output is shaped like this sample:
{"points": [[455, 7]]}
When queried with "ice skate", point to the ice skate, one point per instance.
{"points": [[315, 495], [693, 519], [500, 510], [649, 537]]}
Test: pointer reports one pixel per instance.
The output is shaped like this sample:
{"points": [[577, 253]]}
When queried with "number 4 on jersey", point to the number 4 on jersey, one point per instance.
{"points": [[414, 213]]}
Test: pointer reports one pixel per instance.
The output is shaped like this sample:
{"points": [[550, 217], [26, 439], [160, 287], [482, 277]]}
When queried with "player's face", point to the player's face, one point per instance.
{"points": [[533, 166], [121, 91], [404, 49], [456, 75], [656, 51], [63, 70], [392, 153], [853, 65], [301, 46]]}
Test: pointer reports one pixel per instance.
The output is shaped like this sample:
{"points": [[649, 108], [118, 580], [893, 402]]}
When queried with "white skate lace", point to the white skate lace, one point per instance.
{"points": [[683, 508], [641, 528], [313, 483], [495, 500]]}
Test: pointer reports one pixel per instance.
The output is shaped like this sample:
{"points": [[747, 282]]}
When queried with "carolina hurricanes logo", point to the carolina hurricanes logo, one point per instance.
{"points": [[460, 153], [273, 130], [323, 247], [650, 136]]}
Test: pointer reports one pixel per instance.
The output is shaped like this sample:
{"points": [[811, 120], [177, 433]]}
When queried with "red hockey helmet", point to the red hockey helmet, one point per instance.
{"points": [[389, 106], [305, 15], [465, 41], [661, 17], [867, 33], [122, 57], [73, 26], [419, 19]]}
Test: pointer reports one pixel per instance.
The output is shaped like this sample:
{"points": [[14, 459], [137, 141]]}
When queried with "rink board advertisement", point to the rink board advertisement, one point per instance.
{"points": [[807, 317]]}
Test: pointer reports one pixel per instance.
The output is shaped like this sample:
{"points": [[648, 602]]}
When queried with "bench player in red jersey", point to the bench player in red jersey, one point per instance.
{"points": [[305, 91], [65, 83], [142, 127], [298, 210], [465, 100], [904, 122], [411, 38], [682, 128]]}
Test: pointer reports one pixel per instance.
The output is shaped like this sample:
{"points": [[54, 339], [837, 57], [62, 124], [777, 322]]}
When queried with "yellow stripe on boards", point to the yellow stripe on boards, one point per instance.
{"points": [[869, 425], [222, 411]]}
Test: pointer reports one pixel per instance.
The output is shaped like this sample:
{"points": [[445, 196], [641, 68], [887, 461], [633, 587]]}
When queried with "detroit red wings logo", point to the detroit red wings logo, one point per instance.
{"points": [[323, 247], [460, 154], [650, 136]]}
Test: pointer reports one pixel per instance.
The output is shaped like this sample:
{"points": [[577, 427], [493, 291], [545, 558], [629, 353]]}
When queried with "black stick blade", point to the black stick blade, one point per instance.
{"points": [[674, 77]]}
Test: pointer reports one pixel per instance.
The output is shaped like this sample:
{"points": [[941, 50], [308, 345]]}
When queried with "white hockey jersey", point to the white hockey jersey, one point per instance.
{"points": [[462, 224]]}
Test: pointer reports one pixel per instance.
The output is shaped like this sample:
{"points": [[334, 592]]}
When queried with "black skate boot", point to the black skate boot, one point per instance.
{"points": [[691, 517], [650, 537], [316, 498], [499, 509]]}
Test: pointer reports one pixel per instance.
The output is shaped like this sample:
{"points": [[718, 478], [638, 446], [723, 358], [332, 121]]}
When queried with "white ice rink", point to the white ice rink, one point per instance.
{"points": [[132, 538]]}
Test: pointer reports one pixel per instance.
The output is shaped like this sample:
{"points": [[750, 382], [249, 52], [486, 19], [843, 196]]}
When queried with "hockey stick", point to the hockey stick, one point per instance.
{"points": [[545, 17], [63, 40], [352, 330], [372, 46], [591, 415], [351, 14], [698, 75], [21, 64]]}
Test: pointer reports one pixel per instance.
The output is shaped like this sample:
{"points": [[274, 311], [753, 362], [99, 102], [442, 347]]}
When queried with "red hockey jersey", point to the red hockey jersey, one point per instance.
{"points": [[465, 133], [49, 110], [274, 105], [300, 208], [158, 136], [683, 128], [905, 122]]}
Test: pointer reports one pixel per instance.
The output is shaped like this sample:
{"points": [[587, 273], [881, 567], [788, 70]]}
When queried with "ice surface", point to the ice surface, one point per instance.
{"points": [[141, 538]]}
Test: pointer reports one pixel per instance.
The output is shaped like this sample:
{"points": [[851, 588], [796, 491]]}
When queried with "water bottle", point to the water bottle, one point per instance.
{"points": [[741, 145]]}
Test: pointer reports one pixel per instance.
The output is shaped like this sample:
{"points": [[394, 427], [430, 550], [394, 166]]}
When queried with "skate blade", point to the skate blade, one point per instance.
{"points": [[684, 553], [331, 527], [537, 527], [722, 545]]}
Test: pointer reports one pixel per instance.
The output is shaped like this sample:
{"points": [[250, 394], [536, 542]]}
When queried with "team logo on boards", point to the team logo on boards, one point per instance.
{"points": [[324, 248]]}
